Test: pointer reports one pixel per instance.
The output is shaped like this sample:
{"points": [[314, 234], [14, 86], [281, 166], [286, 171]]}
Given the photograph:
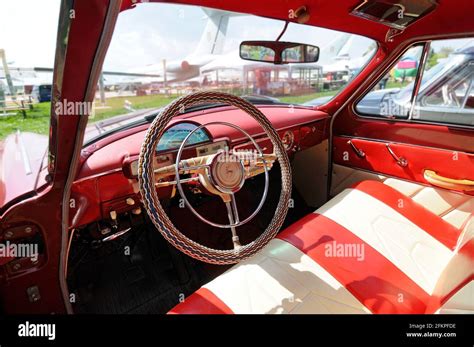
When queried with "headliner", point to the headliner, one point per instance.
{"points": [[450, 18]]}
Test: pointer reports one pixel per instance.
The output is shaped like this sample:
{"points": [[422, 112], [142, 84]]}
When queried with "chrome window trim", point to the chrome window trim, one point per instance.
{"points": [[419, 78]]}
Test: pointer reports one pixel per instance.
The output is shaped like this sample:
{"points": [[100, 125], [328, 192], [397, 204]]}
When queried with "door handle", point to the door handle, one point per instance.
{"points": [[360, 153], [400, 160], [446, 182]]}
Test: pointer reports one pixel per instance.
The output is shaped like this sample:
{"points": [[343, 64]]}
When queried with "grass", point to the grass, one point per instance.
{"points": [[396, 84], [37, 119], [115, 105]]}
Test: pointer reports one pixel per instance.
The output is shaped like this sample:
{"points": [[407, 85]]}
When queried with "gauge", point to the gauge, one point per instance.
{"points": [[174, 136], [288, 139], [134, 168], [130, 167], [211, 148]]}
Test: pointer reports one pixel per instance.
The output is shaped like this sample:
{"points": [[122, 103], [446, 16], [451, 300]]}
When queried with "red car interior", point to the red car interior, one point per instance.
{"points": [[400, 191]]}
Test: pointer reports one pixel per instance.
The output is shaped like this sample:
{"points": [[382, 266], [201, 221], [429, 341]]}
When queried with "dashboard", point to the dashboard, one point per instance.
{"points": [[107, 182]]}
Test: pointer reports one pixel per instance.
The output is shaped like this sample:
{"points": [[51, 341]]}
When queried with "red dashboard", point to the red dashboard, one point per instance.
{"points": [[106, 186]]}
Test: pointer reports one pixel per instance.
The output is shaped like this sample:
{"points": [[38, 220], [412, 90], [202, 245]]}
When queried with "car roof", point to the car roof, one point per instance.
{"points": [[467, 50]]}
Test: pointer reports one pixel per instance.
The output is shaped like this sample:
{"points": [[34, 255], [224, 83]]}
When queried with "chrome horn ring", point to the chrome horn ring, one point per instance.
{"points": [[216, 184]]}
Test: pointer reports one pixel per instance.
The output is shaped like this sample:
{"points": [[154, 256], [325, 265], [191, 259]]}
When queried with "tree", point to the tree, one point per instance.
{"points": [[434, 57], [445, 51]]}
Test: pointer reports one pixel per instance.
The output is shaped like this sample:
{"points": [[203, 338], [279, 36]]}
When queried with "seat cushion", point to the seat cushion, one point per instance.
{"points": [[453, 207], [279, 279], [370, 249]]}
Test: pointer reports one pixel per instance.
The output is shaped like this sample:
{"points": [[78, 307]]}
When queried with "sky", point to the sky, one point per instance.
{"points": [[152, 32], [143, 36], [28, 31]]}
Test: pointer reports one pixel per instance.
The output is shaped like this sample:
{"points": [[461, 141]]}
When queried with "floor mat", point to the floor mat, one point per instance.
{"points": [[144, 280]]}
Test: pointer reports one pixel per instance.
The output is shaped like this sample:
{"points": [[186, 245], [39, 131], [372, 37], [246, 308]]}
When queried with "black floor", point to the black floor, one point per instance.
{"points": [[152, 279]]}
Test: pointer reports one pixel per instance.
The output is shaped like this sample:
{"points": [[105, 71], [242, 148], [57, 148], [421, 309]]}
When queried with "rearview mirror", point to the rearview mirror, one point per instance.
{"points": [[277, 52]]}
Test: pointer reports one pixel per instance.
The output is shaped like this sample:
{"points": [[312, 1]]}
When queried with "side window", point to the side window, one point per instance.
{"points": [[452, 92], [391, 96], [446, 93], [449, 96]]}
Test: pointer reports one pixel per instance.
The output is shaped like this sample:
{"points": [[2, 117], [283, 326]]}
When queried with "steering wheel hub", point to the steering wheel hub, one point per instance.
{"points": [[227, 173]]}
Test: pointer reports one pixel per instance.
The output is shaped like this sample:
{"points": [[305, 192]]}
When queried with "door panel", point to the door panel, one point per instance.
{"points": [[381, 157]]}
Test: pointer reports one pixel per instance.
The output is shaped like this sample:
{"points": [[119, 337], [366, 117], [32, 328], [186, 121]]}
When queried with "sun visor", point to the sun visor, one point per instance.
{"points": [[397, 14]]}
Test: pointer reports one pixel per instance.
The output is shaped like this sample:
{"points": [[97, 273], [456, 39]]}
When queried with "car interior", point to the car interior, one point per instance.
{"points": [[235, 201]]}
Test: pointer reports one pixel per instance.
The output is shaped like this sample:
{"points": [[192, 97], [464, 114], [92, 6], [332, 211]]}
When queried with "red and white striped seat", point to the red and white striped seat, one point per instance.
{"points": [[370, 249]]}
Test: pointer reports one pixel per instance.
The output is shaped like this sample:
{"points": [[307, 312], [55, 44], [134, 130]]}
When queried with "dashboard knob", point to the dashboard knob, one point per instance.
{"points": [[113, 215]]}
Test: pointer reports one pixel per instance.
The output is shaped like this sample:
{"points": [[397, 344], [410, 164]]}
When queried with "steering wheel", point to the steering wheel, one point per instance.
{"points": [[222, 174]]}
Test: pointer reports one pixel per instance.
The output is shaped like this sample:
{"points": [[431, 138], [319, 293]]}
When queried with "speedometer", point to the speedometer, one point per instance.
{"points": [[174, 136]]}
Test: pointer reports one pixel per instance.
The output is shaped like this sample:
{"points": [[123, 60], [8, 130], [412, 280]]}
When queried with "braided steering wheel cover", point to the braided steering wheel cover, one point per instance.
{"points": [[150, 196]]}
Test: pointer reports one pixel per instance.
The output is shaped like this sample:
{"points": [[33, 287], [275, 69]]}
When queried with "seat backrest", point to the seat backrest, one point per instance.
{"points": [[454, 291]]}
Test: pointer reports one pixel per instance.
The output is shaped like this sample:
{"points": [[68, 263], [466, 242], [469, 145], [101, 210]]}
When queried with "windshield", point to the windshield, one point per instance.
{"points": [[162, 51]]}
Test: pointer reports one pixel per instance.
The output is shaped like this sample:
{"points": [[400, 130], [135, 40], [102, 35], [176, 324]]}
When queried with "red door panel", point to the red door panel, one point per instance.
{"points": [[431, 135], [446, 163]]}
